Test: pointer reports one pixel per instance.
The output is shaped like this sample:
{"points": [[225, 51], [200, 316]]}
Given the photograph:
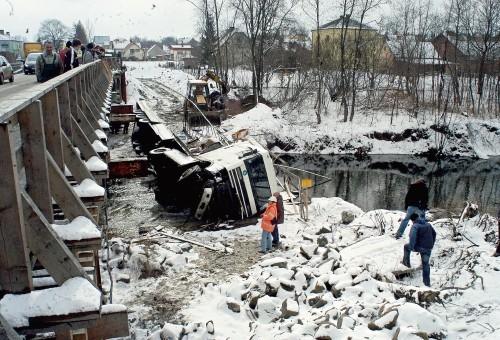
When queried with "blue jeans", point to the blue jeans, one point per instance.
{"points": [[410, 211], [276, 235], [266, 241], [425, 255]]}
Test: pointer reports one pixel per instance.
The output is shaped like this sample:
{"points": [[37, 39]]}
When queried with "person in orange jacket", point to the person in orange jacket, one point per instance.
{"points": [[267, 225]]}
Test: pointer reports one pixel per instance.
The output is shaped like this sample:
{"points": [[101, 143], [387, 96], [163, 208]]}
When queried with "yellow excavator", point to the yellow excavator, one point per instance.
{"points": [[201, 100]]}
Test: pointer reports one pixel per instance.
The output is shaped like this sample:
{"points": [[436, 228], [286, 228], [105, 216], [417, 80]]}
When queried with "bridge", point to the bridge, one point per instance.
{"points": [[53, 164]]}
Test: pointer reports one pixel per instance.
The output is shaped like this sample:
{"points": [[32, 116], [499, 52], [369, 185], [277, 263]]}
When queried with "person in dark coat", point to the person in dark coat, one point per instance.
{"points": [[422, 239], [415, 203], [71, 60], [279, 219]]}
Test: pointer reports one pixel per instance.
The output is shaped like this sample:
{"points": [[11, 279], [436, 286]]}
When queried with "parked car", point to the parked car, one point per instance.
{"points": [[30, 63], [6, 71]]}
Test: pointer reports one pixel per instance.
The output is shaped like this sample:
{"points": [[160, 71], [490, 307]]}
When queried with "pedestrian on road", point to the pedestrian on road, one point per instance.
{"points": [[279, 219], [415, 203], [48, 64], [267, 224], [422, 239]]}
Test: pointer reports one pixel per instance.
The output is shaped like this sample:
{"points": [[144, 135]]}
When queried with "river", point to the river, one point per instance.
{"points": [[381, 181]]}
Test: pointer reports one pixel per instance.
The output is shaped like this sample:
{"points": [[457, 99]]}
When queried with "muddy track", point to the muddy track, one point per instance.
{"points": [[166, 104]]}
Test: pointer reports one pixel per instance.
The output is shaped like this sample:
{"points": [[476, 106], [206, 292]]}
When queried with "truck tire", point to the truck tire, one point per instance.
{"points": [[11, 79], [1, 79]]}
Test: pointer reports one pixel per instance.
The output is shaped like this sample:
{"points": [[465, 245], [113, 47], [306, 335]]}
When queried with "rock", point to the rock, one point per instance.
{"points": [[320, 303], [272, 286], [319, 287], [314, 300], [387, 320], [266, 310], [345, 321], [279, 262], [233, 305], [210, 327], [308, 250], [323, 230], [347, 217], [336, 292], [289, 308], [253, 299], [287, 285], [122, 278], [322, 241]]}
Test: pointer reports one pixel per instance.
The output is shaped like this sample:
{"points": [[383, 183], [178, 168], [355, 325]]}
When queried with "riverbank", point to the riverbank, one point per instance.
{"points": [[372, 132]]}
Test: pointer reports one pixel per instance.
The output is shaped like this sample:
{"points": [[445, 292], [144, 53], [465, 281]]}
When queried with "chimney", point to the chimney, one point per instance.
{"points": [[1, 32]]}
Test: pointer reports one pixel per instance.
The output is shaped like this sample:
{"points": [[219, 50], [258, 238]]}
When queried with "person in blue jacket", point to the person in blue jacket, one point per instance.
{"points": [[422, 239]]}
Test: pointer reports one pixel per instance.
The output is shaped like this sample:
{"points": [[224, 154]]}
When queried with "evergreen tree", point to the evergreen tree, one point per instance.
{"points": [[79, 32], [208, 40]]}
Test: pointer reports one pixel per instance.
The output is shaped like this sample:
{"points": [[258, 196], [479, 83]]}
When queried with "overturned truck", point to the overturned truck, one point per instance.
{"points": [[225, 182]]}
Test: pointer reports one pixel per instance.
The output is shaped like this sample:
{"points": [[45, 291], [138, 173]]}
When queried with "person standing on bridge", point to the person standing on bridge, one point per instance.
{"points": [[88, 55], [71, 60], [48, 64]]}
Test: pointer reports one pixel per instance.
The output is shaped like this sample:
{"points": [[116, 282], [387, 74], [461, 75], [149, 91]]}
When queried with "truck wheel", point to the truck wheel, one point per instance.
{"points": [[1, 79], [11, 79]]}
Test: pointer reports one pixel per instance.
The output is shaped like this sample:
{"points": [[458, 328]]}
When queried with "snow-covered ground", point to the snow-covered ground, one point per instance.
{"points": [[331, 278]]}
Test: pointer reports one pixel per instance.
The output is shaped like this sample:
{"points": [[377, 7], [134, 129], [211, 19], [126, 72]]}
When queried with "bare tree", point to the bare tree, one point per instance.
{"points": [[55, 30], [483, 27], [263, 21]]}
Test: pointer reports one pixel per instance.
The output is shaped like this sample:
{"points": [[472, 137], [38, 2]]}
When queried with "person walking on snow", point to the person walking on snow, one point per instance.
{"points": [[415, 203], [422, 239], [279, 219], [267, 225]]}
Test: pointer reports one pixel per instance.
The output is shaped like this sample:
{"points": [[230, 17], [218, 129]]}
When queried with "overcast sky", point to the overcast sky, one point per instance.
{"points": [[117, 18]]}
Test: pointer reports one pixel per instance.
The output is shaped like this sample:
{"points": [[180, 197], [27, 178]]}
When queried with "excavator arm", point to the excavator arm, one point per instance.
{"points": [[223, 86]]}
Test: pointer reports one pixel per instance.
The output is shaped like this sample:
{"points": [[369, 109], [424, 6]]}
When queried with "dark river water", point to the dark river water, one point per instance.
{"points": [[381, 181]]}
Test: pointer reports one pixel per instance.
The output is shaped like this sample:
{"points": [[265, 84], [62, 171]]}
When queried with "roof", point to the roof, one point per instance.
{"points": [[409, 47], [180, 47], [6, 37], [102, 39], [120, 44], [156, 48], [350, 23], [130, 45]]}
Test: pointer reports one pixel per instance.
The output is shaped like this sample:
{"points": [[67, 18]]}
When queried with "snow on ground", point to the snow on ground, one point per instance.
{"points": [[330, 279]]}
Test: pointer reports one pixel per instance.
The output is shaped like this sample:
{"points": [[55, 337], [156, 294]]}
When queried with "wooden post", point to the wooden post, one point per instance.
{"points": [[65, 108], [52, 125], [48, 247], [35, 163], [64, 195], [15, 268]]}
